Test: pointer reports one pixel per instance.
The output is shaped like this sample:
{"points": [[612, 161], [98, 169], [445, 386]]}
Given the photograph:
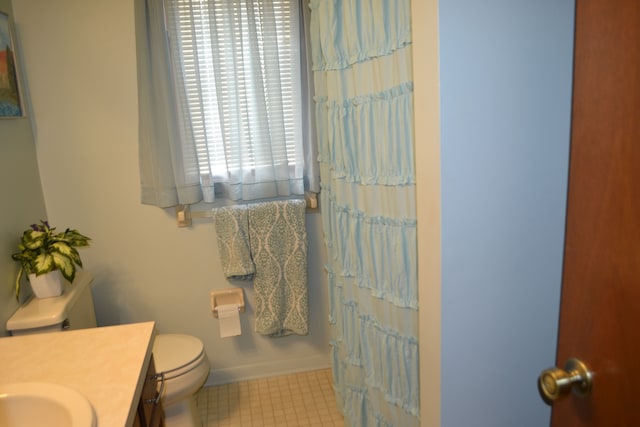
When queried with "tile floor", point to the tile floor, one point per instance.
{"points": [[296, 400]]}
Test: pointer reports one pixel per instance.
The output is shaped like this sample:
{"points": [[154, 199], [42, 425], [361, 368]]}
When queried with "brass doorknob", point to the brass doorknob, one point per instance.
{"points": [[554, 383]]}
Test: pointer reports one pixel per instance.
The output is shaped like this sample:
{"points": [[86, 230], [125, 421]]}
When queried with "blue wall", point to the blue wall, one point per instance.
{"points": [[506, 69]]}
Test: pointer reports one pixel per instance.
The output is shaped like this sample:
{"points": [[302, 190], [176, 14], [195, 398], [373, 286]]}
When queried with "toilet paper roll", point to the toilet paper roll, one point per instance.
{"points": [[229, 318]]}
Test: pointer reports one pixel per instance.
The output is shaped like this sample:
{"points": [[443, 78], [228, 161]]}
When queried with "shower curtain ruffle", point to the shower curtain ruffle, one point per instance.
{"points": [[378, 252], [364, 113], [359, 129], [372, 342], [360, 400], [354, 31]]}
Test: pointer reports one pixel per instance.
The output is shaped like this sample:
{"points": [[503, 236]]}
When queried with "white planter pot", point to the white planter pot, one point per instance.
{"points": [[46, 285]]}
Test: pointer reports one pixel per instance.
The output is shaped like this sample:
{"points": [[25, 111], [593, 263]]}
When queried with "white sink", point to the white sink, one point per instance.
{"points": [[43, 404]]}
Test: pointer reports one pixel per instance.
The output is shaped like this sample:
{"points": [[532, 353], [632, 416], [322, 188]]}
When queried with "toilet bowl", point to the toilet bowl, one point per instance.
{"points": [[179, 359], [182, 364]]}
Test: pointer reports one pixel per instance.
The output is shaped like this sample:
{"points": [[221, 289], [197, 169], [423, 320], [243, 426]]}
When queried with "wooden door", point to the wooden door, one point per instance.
{"points": [[600, 305]]}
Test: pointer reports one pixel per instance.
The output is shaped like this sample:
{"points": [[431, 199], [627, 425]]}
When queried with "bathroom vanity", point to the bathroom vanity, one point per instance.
{"points": [[107, 365]]}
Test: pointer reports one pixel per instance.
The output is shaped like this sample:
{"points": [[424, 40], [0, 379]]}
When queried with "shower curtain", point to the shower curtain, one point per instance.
{"points": [[361, 51]]}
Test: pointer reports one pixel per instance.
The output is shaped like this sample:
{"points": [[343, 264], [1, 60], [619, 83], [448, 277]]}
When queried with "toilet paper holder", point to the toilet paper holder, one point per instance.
{"points": [[226, 297]]}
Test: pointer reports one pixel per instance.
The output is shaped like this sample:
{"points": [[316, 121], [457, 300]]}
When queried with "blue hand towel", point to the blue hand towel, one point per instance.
{"points": [[278, 242], [233, 242]]}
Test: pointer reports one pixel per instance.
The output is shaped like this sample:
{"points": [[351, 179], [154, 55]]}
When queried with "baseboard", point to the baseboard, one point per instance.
{"points": [[267, 369]]}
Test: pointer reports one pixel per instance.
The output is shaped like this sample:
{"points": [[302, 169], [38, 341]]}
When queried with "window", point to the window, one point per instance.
{"points": [[236, 68]]}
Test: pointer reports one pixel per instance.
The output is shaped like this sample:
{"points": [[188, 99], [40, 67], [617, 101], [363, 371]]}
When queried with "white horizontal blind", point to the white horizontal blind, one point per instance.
{"points": [[236, 66]]}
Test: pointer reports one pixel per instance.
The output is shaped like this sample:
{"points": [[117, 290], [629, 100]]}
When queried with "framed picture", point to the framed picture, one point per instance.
{"points": [[10, 100]]}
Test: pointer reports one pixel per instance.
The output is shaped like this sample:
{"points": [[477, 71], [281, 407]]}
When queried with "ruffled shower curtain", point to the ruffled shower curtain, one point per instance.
{"points": [[361, 53]]}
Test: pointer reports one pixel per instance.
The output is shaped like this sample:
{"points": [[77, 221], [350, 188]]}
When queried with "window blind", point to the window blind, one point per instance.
{"points": [[237, 76]]}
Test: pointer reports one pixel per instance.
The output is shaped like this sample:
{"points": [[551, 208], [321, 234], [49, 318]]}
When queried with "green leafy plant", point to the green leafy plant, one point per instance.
{"points": [[43, 250]]}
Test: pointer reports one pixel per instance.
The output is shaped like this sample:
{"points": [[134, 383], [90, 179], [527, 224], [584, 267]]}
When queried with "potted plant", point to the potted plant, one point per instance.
{"points": [[46, 254]]}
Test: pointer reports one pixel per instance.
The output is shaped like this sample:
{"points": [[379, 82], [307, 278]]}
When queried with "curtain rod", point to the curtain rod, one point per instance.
{"points": [[184, 215]]}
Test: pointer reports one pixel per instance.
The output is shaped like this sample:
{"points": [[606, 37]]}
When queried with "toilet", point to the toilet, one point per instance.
{"points": [[179, 359], [182, 362]]}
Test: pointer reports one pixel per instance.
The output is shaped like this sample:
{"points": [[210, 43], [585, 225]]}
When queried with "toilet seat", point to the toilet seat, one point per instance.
{"points": [[176, 354]]}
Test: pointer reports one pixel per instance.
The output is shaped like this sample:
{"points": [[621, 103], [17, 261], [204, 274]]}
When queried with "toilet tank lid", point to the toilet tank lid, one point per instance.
{"points": [[45, 312]]}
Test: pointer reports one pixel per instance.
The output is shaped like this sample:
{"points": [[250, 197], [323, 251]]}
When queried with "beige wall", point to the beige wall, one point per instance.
{"points": [[424, 16], [21, 195], [80, 64]]}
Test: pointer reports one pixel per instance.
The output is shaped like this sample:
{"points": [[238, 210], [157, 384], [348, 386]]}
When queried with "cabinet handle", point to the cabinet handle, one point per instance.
{"points": [[160, 392]]}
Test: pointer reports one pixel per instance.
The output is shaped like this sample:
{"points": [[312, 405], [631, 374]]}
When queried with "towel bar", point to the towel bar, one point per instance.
{"points": [[184, 215]]}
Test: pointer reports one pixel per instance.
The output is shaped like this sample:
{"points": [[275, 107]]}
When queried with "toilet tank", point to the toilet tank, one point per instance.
{"points": [[73, 309]]}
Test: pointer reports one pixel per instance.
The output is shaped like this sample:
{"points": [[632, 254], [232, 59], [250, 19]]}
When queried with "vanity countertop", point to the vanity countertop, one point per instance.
{"points": [[107, 365]]}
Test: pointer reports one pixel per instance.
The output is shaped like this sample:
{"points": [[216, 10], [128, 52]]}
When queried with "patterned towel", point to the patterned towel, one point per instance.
{"points": [[233, 241], [278, 242]]}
